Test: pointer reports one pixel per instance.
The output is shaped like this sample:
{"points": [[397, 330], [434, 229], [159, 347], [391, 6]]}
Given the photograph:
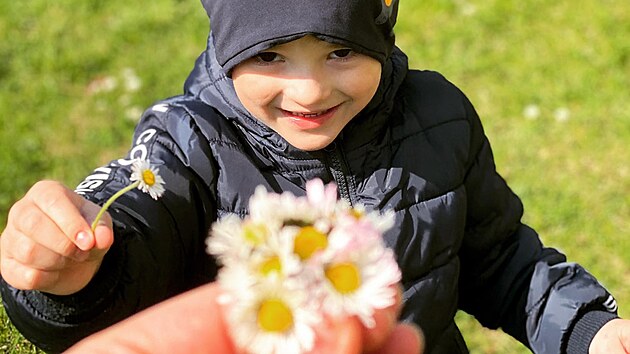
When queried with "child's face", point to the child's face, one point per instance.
{"points": [[307, 90]]}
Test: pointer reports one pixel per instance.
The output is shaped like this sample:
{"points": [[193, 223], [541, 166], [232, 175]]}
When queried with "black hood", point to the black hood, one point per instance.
{"points": [[208, 82], [243, 28]]}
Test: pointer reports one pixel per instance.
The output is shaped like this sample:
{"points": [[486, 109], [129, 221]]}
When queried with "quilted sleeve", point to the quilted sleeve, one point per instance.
{"points": [[509, 279], [159, 247]]}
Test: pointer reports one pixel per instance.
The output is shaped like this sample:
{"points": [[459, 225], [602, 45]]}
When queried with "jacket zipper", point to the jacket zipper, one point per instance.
{"points": [[340, 173]]}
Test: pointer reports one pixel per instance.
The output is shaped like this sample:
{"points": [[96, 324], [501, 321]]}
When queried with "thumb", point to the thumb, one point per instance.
{"points": [[103, 235]]}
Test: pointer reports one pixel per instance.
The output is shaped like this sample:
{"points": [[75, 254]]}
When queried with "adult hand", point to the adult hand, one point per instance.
{"points": [[612, 338], [193, 323], [48, 244]]}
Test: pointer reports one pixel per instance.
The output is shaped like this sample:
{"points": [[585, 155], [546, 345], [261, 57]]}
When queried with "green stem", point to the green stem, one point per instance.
{"points": [[111, 200]]}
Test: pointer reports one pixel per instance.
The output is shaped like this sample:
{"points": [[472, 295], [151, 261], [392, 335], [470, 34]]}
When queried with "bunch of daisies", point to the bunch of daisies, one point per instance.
{"points": [[295, 260]]}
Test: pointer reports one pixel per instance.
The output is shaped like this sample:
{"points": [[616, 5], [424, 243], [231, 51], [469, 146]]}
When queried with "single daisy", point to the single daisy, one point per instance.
{"points": [[233, 238], [381, 220], [272, 317], [144, 177], [357, 277], [150, 181], [324, 197], [283, 209], [360, 226]]}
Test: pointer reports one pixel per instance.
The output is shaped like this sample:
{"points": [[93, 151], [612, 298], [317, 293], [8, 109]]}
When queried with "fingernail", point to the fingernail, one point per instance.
{"points": [[83, 240]]}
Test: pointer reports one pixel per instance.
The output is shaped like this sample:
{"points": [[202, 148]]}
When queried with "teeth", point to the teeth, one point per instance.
{"points": [[309, 115], [306, 115]]}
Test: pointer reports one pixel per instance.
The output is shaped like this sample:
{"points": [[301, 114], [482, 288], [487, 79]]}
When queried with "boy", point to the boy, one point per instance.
{"points": [[285, 94]]}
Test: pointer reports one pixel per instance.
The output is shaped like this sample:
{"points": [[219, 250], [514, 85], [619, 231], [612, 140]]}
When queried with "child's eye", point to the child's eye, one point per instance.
{"points": [[341, 53], [267, 57]]}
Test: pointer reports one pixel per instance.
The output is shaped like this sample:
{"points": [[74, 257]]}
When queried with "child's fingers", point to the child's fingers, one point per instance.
{"points": [[103, 234], [63, 207], [27, 278], [27, 220], [29, 253], [103, 237]]}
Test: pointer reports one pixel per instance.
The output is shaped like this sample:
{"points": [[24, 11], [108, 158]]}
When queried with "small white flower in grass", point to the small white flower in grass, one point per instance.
{"points": [[150, 181], [531, 111], [562, 114], [131, 80], [273, 316]]}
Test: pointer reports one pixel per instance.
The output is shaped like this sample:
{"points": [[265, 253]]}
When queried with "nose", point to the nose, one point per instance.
{"points": [[310, 89]]}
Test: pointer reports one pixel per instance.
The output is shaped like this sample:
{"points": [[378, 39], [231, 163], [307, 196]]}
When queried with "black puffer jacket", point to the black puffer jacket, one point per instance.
{"points": [[418, 148]]}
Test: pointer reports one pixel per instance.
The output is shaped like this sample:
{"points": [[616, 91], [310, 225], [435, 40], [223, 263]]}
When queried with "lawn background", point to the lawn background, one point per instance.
{"points": [[550, 79]]}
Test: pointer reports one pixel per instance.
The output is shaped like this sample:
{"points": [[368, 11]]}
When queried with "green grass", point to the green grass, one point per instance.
{"points": [[549, 79]]}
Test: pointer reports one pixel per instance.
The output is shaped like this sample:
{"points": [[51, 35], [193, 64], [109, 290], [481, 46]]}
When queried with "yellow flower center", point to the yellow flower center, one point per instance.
{"points": [[274, 316], [254, 233], [148, 177], [345, 277], [308, 241], [271, 264], [357, 214]]}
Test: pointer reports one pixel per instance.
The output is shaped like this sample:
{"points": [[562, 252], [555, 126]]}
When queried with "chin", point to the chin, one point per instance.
{"points": [[312, 144]]}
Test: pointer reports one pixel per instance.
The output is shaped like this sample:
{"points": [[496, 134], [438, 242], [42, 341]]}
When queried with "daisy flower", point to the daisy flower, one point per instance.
{"points": [[280, 209], [144, 177], [272, 316], [358, 273], [318, 207], [323, 197], [381, 221], [235, 238], [149, 181], [307, 240]]}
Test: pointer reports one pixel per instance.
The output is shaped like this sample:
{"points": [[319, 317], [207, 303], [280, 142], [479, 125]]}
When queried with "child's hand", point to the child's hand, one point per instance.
{"points": [[48, 244], [193, 323], [612, 338]]}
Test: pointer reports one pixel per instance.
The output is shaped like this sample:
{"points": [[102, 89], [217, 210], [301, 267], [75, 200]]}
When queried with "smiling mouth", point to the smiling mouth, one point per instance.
{"points": [[310, 120], [309, 114]]}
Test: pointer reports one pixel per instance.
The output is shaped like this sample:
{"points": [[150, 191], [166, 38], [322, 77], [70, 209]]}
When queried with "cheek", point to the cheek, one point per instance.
{"points": [[253, 92], [362, 85]]}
